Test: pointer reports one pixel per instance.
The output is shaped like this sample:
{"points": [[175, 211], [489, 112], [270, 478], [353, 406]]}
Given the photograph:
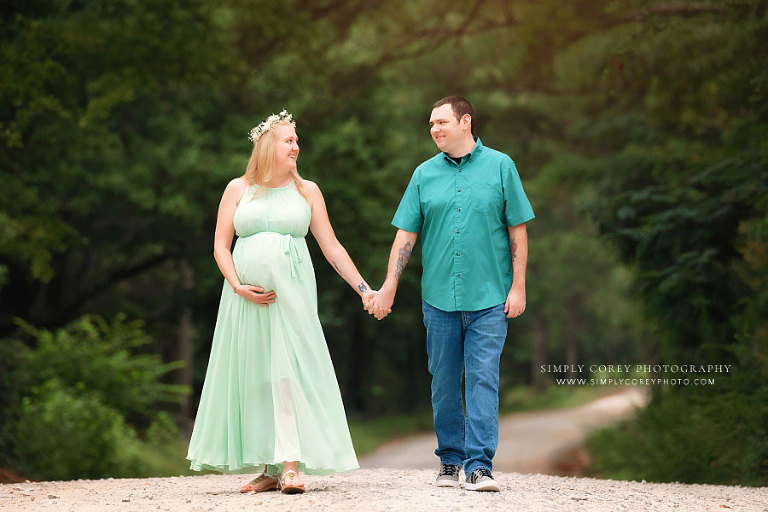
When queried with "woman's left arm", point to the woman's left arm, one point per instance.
{"points": [[332, 249]]}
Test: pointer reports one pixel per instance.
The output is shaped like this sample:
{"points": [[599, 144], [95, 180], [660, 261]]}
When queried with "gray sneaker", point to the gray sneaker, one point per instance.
{"points": [[448, 476], [481, 479]]}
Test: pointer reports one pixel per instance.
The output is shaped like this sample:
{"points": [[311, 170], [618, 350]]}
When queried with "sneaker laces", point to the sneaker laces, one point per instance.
{"points": [[479, 473], [449, 469]]}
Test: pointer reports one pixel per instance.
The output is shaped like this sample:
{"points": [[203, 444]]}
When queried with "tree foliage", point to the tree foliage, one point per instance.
{"points": [[639, 128], [676, 141]]}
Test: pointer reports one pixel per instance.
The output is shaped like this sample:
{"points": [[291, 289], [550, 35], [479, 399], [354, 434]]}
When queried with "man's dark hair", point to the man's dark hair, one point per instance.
{"points": [[460, 107]]}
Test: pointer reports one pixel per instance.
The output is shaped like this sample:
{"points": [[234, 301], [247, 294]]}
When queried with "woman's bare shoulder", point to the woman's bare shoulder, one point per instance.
{"points": [[238, 183], [310, 186], [236, 188]]}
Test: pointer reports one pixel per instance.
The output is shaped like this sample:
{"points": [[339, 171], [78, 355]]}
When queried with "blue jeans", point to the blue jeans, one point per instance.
{"points": [[470, 342]]}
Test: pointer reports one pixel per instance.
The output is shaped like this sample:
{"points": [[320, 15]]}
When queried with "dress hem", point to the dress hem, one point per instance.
{"points": [[250, 467]]}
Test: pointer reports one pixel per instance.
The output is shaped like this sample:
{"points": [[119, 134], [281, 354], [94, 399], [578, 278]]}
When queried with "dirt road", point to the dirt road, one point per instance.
{"points": [[526, 441], [377, 490], [546, 442]]}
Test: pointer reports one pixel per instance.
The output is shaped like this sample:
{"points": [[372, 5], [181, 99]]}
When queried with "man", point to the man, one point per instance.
{"points": [[469, 205]]}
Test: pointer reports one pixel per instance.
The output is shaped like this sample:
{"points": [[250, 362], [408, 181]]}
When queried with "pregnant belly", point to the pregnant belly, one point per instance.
{"points": [[266, 259]]}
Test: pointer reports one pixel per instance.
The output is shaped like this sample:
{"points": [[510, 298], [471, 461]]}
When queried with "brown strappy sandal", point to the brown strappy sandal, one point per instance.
{"points": [[286, 485], [261, 483]]}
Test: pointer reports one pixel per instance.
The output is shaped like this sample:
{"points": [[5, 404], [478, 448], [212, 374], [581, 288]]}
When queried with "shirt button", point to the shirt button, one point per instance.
{"points": [[458, 190], [458, 275], [458, 209], [458, 253], [459, 170], [458, 231]]}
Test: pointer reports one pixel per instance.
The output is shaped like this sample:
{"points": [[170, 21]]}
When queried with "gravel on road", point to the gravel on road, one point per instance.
{"points": [[377, 490]]}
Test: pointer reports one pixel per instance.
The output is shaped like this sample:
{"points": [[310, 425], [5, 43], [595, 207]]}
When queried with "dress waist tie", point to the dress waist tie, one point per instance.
{"points": [[294, 257]]}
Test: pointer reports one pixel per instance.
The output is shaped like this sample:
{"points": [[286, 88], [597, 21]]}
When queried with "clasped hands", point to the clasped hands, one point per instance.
{"points": [[378, 303]]}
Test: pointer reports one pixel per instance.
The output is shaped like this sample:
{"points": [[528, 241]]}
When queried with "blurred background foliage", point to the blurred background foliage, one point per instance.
{"points": [[640, 129]]}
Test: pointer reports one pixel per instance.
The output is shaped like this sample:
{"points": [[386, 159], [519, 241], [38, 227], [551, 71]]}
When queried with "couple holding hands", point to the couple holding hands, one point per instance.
{"points": [[270, 400]]}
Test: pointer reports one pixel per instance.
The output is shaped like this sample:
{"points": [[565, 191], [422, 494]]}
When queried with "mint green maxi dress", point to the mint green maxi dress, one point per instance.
{"points": [[270, 393]]}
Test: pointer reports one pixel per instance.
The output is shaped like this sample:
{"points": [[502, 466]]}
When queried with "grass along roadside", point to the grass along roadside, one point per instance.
{"points": [[370, 433], [524, 398]]}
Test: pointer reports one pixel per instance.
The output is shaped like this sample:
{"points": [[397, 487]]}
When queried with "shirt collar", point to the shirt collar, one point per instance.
{"points": [[472, 155]]}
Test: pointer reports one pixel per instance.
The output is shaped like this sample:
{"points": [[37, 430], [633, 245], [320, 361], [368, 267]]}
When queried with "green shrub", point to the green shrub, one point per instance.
{"points": [[61, 435], [76, 403], [101, 358]]}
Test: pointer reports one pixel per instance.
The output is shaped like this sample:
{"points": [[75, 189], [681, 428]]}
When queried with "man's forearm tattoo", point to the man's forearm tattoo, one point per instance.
{"points": [[362, 287], [513, 248], [336, 267], [404, 255]]}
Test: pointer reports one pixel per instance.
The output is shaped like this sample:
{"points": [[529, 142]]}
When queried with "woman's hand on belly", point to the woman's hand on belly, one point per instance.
{"points": [[256, 294]]}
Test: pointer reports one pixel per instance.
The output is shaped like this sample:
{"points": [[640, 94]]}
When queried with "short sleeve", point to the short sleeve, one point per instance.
{"points": [[517, 208], [408, 216]]}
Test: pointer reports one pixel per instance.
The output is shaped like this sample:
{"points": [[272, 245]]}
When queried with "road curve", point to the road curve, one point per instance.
{"points": [[547, 442]]}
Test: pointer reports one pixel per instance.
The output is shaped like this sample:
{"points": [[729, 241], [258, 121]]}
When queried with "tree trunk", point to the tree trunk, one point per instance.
{"points": [[184, 351], [571, 340], [358, 365], [539, 355]]}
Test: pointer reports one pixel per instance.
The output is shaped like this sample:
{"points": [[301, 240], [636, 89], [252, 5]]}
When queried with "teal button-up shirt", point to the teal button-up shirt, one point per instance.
{"points": [[462, 212]]}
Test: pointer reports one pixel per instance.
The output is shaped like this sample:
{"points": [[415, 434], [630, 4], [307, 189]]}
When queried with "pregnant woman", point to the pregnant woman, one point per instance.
{"points": [[270, 400]]}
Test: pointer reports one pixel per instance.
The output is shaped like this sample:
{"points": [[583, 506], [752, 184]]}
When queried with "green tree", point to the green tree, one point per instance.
{"points": [[675, 140]]}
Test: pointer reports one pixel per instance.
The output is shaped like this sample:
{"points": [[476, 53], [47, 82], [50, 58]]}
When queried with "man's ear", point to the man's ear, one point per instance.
{"points": [[466, 121]]}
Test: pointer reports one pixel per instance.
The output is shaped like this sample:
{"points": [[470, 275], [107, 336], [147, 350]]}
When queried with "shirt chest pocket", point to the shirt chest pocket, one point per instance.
{"points": [[486, 197]]}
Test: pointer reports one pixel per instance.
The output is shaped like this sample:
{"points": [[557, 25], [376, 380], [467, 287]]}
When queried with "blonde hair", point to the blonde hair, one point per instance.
{"points": [[261, 165]]}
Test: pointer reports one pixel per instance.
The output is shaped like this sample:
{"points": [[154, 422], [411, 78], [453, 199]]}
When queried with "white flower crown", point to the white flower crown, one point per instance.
{"points": [[267, 124]]}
